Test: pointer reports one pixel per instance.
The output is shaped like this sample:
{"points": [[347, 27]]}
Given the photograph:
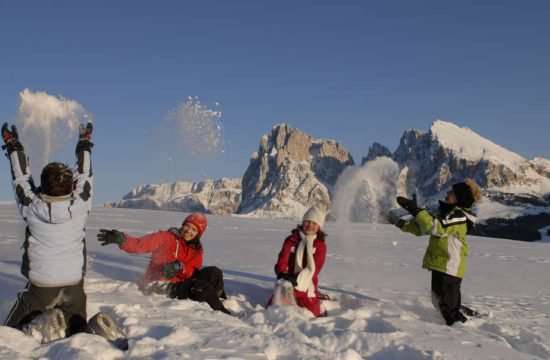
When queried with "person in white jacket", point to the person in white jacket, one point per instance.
{"points": [[54, 258]]}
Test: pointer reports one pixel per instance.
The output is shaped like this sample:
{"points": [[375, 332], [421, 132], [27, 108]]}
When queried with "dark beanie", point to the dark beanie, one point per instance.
{"points": [[464, 195]]}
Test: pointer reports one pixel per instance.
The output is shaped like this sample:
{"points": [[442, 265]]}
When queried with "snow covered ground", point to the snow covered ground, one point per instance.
{"points": [[382, 308]]}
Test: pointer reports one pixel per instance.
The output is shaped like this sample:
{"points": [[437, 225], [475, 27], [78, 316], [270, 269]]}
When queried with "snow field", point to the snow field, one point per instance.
{"points": [[381, 308]]}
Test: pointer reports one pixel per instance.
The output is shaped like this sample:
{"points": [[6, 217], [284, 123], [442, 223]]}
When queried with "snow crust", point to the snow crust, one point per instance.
{"points": [[381, 308]]}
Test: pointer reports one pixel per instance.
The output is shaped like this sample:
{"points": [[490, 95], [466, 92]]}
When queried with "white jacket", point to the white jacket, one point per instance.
{"points": [[55, 249]]}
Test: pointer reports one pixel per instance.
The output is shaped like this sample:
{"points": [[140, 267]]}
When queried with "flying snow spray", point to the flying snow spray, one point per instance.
{"points": [[199, 127], [363, 194], [366, 193], [47, 123]]}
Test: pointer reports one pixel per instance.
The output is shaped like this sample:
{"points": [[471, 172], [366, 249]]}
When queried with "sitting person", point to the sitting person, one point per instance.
{"points": [[302, 258], [176, 258]]}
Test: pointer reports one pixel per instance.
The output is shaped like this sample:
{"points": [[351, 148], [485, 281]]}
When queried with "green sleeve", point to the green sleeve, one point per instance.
{"points": [[412, 227], [433, 226]]}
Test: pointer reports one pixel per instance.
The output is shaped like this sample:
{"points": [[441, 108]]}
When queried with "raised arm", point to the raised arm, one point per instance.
{"points": [[23, 184], [83, 177], [142, 245]]}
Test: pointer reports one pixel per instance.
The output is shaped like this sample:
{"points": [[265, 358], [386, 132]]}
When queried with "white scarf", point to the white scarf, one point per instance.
{"points": [[305, 275]]}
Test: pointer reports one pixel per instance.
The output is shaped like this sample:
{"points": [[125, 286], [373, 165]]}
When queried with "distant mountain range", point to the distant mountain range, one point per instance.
{"points": [[292, 171], [216, 197], [516, 202]]}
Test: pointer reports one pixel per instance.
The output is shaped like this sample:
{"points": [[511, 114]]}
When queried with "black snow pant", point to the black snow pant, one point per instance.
{"points": [[206, 285], [33, 300], [446, 296]]}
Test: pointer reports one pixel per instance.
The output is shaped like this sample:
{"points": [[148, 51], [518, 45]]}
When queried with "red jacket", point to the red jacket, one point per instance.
{"points": [[287, 258], [165, 248]]}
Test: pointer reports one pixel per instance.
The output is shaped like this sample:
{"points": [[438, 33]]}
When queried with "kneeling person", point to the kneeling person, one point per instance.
{"points": [[53, 304]]}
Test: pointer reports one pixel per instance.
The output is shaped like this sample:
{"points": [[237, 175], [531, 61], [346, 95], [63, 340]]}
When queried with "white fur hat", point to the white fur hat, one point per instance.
{"points": [[315, 214]]}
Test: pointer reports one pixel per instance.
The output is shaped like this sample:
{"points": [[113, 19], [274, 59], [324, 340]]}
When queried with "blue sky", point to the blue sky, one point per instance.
{"points": [[354, 71]]}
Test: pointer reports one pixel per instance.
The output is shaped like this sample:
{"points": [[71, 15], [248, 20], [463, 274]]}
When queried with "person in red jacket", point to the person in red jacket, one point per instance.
{"points": [[176, 258], [302, 258]]}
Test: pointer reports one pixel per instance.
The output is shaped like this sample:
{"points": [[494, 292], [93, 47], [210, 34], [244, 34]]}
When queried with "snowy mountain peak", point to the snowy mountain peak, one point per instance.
{"points": [[431, 162], [468, 145]]}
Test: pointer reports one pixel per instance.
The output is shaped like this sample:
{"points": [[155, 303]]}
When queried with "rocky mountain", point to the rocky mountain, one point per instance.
{"points": [[431, 162], [215, 197], [448, 153], [290, 172]]}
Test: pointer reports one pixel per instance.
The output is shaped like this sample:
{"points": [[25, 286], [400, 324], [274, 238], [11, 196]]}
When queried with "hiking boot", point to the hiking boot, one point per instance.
{"points": [[103, 325], [48, 326]]}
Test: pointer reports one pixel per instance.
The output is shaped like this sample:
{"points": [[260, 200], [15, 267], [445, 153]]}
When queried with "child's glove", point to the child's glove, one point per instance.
{"points": [[84, 137], [172, 269], [409, 204], [11, 139], [290, 278], [396, 220], [107, 237]]}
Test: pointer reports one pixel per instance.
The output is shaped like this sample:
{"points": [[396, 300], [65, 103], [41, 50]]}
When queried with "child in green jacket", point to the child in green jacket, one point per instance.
{"points": [[447, 250]]}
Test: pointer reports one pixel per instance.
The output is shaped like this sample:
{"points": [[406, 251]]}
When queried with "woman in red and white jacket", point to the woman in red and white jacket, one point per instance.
{"points": [[302, 258], [176, 258]]}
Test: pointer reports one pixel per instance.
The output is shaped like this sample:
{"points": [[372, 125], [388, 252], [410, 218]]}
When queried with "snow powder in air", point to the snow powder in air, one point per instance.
{"points": [[366, 193], [48, 122], [200, 128]]}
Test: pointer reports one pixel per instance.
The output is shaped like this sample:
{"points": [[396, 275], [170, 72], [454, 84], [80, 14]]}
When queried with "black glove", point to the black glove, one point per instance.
{"points": [[84, 137], [293, 279], [395, 220], [107, 237], [409, 204], [172, 269], [11, 139]]}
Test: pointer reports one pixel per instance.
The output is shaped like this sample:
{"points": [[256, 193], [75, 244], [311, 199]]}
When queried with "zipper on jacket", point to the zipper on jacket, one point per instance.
{"points": [[177, 248]]}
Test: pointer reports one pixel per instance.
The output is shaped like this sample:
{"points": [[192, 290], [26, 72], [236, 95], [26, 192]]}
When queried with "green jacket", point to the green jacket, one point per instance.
{"points": [[447, 250]]}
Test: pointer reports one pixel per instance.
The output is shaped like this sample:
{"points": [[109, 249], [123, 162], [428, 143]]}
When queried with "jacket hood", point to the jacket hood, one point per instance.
{"points": [[445, 209]]}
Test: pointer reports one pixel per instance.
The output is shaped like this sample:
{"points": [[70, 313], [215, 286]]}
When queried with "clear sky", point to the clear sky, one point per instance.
{"points": [[353, 71]]}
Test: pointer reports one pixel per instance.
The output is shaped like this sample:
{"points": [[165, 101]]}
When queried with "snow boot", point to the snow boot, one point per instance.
{"points": [[103, 325], [48, 326], [469, 311]]}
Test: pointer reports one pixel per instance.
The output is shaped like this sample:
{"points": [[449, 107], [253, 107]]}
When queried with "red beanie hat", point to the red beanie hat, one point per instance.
{"points": [[199, 220]]}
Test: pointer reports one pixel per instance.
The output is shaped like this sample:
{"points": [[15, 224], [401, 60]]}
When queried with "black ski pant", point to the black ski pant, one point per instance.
{"points": [[446, 296], [206, 285], [33, 300]]}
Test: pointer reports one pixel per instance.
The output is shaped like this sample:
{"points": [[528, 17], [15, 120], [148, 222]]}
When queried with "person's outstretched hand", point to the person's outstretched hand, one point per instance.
{"points": [[107, 237], [11, 139], [85, 137], [409, 204], [85, 133]]}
